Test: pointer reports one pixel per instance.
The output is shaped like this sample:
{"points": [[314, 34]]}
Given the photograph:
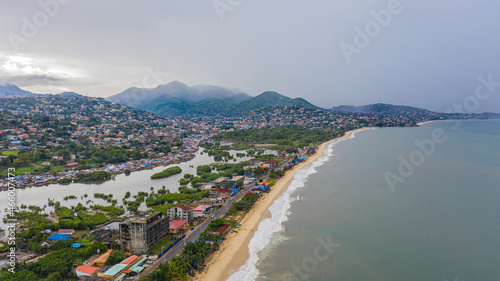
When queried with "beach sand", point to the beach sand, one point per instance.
{"points": [[234, 252]]}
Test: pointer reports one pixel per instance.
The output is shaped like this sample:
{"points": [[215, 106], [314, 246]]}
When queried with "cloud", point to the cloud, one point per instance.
{"points": [[33, 80], [430, 54]]}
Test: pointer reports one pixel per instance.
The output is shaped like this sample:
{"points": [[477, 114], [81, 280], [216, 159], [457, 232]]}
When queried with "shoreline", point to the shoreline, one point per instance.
{"points": [[234, 251]]}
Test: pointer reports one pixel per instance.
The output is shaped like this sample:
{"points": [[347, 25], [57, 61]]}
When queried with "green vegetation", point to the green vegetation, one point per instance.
{"points": [[160, 246], [167, 172], [285, 137], [59, 262], [190, 258], [94, 176], [110, 210], [64, 212], [115, 257], [65, 181], [213, 225]]}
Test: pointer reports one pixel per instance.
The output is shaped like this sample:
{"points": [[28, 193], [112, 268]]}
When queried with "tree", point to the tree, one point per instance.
{"points": [[54, 276], [115, 257]]}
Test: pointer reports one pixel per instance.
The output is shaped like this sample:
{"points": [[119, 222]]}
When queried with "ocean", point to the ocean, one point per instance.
{"points": [[389, 204]]}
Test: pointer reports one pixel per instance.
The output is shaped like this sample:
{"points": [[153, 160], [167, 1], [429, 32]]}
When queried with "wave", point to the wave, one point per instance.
{"points": [[272, 229]]}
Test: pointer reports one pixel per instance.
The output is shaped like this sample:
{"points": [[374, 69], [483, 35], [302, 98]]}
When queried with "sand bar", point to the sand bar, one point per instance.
{"points": [[234, 252]]}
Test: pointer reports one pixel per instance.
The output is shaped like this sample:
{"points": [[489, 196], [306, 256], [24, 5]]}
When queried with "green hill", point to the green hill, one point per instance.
{"points": [[178, 99]]}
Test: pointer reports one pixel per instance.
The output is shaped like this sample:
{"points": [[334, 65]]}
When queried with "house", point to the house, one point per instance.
{"points": [[72, 165], [223, 229], [201, 211], [235, 180], [99, 261], [214, 193], [58, 236], [176, 225], [180, 212], [66, 231], [222, 198], [254, 161], [273, 164], [264, 188], [86, 270], [208, 201], [220, 182]]}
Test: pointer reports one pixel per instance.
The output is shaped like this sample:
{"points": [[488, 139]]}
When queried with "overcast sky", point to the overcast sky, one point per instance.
{"points": [[428, 54]]}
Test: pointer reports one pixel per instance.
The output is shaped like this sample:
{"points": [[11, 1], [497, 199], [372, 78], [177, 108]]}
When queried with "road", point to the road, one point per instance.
{"points": [[193, 235]]}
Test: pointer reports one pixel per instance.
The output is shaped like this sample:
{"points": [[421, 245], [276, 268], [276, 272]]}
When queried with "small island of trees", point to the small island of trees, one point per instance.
{"points": [[167, 173]]}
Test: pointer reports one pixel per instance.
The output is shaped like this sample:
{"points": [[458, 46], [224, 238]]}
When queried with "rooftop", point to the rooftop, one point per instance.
{"points": [[176, 224], [223, 228]]}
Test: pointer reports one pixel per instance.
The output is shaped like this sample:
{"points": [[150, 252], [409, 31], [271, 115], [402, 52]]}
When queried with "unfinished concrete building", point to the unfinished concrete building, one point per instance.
{"points": [[143, 231]]}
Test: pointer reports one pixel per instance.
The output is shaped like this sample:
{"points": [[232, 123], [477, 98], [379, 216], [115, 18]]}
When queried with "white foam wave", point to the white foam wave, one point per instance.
{"points": [[272, 229]]}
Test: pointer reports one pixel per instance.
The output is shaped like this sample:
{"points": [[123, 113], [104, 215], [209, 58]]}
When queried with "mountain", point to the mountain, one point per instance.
{"points": [[10, 91], [178, 99], [378, 108], [272, 99]]}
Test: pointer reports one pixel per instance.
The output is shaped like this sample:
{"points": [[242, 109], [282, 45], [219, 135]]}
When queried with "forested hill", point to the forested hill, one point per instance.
{"points": [[178, 99]]}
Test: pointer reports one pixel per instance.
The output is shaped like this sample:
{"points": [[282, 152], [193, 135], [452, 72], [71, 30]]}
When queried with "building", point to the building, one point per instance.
{"points": [[90, 269], [235, 180], [220, 182], [143, 231], [176, 226], [58, 236], [273, 164], [99, 262], [254, 161], [121, 270], [214, 193], [180, 212], [201, 211], [208, 201], [66, 231], [86, 270], [223, 229]]}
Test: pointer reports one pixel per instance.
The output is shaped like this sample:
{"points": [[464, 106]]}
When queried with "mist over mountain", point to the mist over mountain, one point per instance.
{"points": [[378, 108], [10, 91], [178, 99]]}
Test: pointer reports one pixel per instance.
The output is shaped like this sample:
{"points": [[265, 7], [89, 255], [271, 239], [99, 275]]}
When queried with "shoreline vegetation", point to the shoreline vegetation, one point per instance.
{"points": [[234, 251], [167, 173]]}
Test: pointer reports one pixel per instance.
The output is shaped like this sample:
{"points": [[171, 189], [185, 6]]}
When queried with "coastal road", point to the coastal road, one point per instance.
{"points": [[190, 237]]}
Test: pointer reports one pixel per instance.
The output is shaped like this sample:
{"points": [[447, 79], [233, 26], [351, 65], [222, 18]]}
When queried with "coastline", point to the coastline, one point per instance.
{"points": [[234, 251]]}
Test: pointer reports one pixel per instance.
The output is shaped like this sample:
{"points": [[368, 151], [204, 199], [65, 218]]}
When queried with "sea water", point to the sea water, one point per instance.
{"points": [[342, 219]]}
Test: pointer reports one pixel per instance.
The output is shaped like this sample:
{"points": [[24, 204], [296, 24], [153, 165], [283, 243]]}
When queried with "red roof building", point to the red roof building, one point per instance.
{"points": [[176, 224], [86, 270], [66, 231], [223, 228], [184, 207], [129, 260]]}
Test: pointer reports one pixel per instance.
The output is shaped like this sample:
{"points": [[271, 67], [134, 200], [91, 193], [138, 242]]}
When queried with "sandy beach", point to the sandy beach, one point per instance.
{"points": [[234, 252]]}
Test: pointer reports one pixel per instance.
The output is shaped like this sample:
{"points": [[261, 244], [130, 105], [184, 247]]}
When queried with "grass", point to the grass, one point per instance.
{"points": [[271, 183], [33, 170], [86, 241], [9, 152], [160, 246]]}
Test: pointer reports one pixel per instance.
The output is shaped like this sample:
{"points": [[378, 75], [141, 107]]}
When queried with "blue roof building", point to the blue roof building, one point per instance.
{"points": [[58, 236]]}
